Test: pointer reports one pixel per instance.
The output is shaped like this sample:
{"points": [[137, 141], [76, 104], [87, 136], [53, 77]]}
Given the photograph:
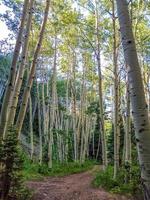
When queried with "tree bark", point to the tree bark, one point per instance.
{"points": [[31, 128], [73, 109], [138, 101], [83, 110], [101, 105], [13, 105], [44, 112], [53, 106], [27, 90], [12, 76], [39, 127], [116, 96], [67, 120], [128, 129]]}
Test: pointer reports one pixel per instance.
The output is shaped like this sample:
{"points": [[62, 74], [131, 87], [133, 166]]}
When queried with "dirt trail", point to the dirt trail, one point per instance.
{"points": [[72, 187]]}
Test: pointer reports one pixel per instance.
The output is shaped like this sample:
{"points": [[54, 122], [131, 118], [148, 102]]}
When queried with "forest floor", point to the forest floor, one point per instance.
{"points": [[72, 187]]}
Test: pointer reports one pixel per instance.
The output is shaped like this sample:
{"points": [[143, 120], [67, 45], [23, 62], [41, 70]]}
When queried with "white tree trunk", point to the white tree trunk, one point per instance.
{"points": [[116, 96], [27, 90], [44, 111], [138, 102], [128, 130], [101, 104], [19, 78], [31, 129], [39, 126], [11, 81], [53, 107]]}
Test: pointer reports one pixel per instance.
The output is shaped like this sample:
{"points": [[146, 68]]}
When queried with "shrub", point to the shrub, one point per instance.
{"points": [[11, 180], [119, 185]]}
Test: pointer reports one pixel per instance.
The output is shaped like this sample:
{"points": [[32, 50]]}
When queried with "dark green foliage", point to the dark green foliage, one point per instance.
{"points": [[65, 169], [110, 142], [5, 61], [66, 139], [105, 179], [45, 153], [119, 185], [11, 180], [93, 108], [61, 88]]}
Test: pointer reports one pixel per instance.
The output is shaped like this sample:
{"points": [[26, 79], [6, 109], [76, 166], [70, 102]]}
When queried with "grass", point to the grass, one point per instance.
{"points": [[105, 180], [33, 171]]}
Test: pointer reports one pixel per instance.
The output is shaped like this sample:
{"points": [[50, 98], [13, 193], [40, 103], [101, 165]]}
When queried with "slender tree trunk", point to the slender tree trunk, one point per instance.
{"points": [[67, 120], [13, 105], [74, 116], [34, 110], [53, 106], [93, 137], [44, 112], [138, 101], [31, 129], [39, 126], [101, 105], [116, 97], [98, 146], [127, 163], [128, 130], [87, 135], [47, 121], [83, 111], [26, 93], [124, 127], [12, 76], [93, 144]]}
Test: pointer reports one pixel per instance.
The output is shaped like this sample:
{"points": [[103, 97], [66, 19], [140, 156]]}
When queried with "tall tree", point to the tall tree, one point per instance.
{"points": [[116, 94], [101, 103], [12, 76], [27, 90], [138, 101], [19, 78]]}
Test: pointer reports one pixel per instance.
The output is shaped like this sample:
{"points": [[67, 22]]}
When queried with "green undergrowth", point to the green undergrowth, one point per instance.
{"points": [[35, 171], [119, 185]]}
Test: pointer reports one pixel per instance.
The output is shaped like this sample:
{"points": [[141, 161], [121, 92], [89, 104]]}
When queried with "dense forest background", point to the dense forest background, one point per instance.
{"points": [[72, 88]]}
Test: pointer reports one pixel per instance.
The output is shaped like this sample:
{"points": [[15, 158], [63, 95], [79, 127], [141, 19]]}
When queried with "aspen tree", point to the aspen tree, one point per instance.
{"points": [[74, 107], [82, 109], [86, 138], [19, 79], [138, 101], [44, 110], [116, 95], [13, 70], [47, 111], [53, 105], [102, 127], [27, 90], [67, 120], [39, 127], [128, 129], [31, 128]]}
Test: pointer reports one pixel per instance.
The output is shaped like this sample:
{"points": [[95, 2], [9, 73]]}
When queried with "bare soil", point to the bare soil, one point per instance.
{"points": [[72, 187]]}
